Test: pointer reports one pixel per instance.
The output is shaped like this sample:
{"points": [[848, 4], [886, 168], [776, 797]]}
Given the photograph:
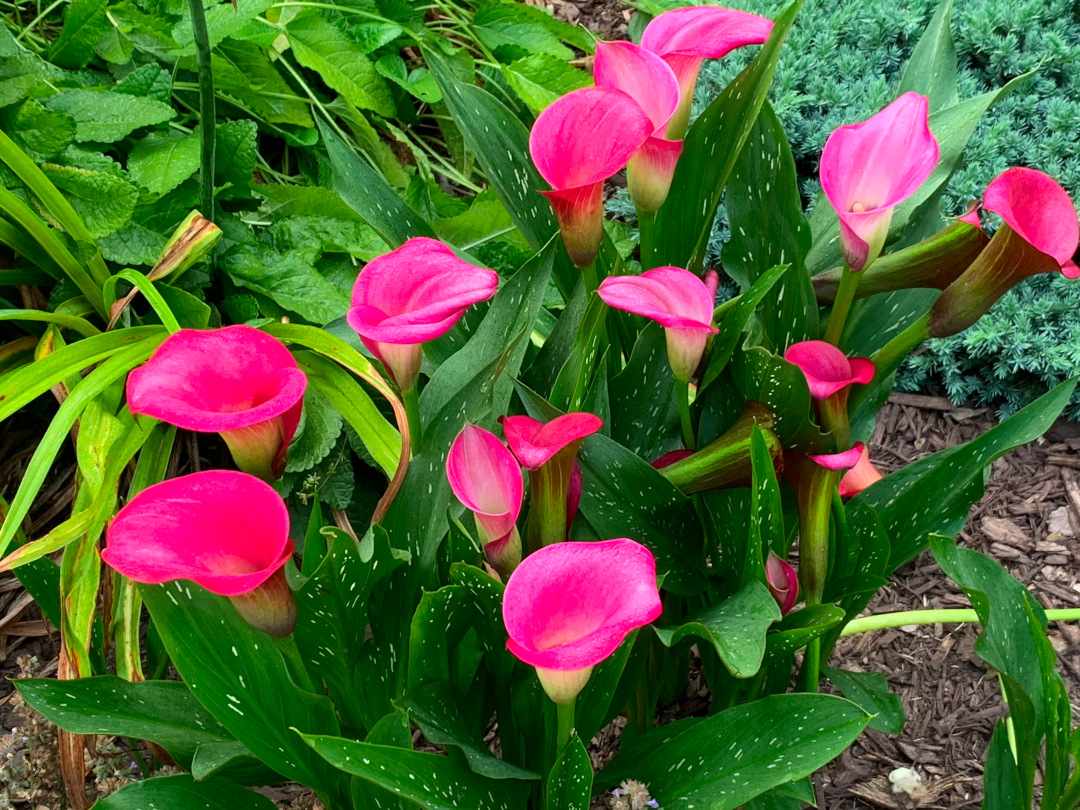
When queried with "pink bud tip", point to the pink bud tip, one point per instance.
{"points": [[411, 295], [840, 461], [670, 458], [227, 531], [573, 493], [1040, 211], [971, 216], [236, 381], [568, 606], [868, 169], [826, 368], [859, 477], [783, 583], [486, 478], [535, 443], [676, 299]]}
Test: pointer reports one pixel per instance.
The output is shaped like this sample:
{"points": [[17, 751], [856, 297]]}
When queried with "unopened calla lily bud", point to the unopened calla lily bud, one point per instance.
{"points": [[783, 583]]}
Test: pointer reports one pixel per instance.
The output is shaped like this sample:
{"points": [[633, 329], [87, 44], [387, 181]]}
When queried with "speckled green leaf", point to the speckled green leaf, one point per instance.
{"points": [[569, 785], [184, 793]]}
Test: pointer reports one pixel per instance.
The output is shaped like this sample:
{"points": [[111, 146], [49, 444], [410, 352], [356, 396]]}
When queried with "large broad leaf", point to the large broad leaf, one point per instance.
{"points": [[441, 620], [722, 761], [768, 229], [569, 784], [709, 152], [240, 676], [935, 493], [84, 23], [736, 627], [184, 793], [432, 781], [871, 691], [644, 413]]}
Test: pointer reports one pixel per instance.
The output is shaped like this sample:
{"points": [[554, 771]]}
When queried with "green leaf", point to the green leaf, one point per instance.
{"points": [[514, 30], [871, 691], [644, 413], [164, 712], [84, 23], [190, 312], [289, 279], [417, 82], [108, 117], [133, 243], [286, 202], [39, 132], [237, 141], [340, 62], [710, 149], [934, 493], [432, 781], [331, 235], [244, 75], [1002, 786], [487, 219], [114, 47], [162, 161], [799, 628], [103, 201], [371, 36], [569, 785], [722, 761], [222, 21], [152, 81], [438, 624], [539, 79], [317, 433], [184, 793], [436, 709], [763, 376], [766, 511], [931, 69]]}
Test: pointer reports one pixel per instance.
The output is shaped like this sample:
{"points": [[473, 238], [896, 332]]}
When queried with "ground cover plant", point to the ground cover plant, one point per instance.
{"points": [[379, 562]]}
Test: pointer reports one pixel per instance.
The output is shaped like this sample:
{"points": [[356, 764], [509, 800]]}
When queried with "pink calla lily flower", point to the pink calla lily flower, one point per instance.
{"points": [[859, 477], [840, 461], [686, 37], [577, 143], [870, 168], [826, 368], [536, 443], [486, 478], [677, 300], [568, 606], [224, 530], [236, 381], [412, 295], [647, 79], [783, 583]]}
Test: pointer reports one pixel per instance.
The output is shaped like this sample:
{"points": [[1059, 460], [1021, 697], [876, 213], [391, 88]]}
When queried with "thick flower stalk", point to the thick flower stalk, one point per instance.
{"points": [[224, 530], [860, 476], [783, 583], [568, 606], [236, 381], [647, 79], [681, 303], [577, 143], [486, 478], [549, 452], [686, 37]]}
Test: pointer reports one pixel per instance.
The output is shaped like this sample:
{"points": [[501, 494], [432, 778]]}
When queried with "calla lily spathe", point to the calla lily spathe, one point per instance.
{"points": [[411, 295], [836, 462], [236, 381], [859, 477], [827, 369], [868, 169], [535, 443], [783, 583]]}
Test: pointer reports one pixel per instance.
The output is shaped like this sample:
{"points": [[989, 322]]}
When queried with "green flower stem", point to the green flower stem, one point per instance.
{"points": [[905, 618], [814, 557], [682, 393], [834, 414], [646, 240], [294, 662], [888, 358], [845, 295], [565, 712], [207, 111], [410, 398]]}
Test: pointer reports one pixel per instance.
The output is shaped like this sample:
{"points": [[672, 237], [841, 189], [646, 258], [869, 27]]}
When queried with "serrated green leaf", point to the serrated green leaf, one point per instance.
{"points": [[222, 20], [331, 235], [39, 132], [514, 30], [243, 74], [113, 46], [238, 142], [371, 36], [416, 82], [131, 244], [152, 81], [103, 201], [16, 88], [322, 47], [303, 201], [84, 23], [317, 433], [108, 117], [289, 279], [162, 161], [539, 79]]}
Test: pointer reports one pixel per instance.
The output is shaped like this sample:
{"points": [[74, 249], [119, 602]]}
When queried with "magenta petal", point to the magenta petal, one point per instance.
{"points": [[859, 477], [868, 169], [826, 368], [568, 606], [1039, 210], [840, 461], [217, 380], [486, 478], [586, 136], [534, 442], [709, 32], [671, 296], [228, 531], [642, 75]]}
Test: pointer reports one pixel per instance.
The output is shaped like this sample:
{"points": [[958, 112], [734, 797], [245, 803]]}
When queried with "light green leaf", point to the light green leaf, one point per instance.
{"points": [[303, 201], [515, 30], [108, 117], [539, 79], [151, 81], [244, 75], [132, 243], [17, 88], [317, 433], [39, 132], [84, 23], [322, 47], [486, 219], [290, 280], [931, 70], [222, 20], [331, 235], [103, 201], [371, 36], [417, 82], [162, 161], [184, 793], [113, 46]]}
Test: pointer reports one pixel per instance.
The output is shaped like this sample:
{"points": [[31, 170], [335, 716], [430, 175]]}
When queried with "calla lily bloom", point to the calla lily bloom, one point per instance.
{"points": [[859, 477], [224, 530], [577, 143], [567, 607], [647, 79], [686, 37], [840, 461], [826, 368], [412, 295], [236, 381], [1039, 234], [783, 583], [870, 168], [549, 452], [677, 300], [486, 478]]}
